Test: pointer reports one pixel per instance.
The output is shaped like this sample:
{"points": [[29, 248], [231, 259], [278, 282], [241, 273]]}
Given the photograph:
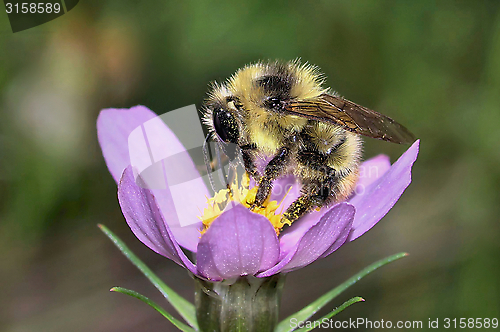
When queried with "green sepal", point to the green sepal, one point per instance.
{"points": [[332, 313], [185, 308], [314, 307], [177, 323]]}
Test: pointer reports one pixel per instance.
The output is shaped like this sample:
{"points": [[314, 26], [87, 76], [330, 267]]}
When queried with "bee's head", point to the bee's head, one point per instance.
{"points": [[220, 116]]}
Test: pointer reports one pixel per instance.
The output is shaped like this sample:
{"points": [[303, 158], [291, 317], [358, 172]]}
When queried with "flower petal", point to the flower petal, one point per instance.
{"points": [[119, 137], [113, 129], [146, 222], [319, 241], [292, 235], [372, 169], [238, 242], [381, 195]]}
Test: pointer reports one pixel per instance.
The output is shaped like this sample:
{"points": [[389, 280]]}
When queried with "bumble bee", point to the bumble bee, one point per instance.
{"points": [[282, 111]]}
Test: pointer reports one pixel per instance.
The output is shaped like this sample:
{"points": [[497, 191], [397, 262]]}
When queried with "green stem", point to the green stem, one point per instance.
{"points": [[242, 305]]}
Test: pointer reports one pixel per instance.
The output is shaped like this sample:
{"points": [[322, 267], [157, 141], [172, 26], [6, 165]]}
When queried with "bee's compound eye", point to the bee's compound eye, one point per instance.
{"points": [[225, 125]]}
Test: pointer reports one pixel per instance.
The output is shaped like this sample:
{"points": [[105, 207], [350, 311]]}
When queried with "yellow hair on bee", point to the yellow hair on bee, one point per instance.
{"points": [[346, 185], [348, 155], [243, 80], [309, 80]]}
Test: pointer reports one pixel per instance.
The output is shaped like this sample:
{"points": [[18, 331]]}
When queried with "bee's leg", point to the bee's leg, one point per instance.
{"points": [[298, 208], [314, 195], [274, 169], [247, 151]]}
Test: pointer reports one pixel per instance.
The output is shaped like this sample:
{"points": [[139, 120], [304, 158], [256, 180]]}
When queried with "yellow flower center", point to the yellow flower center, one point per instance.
{"points": [[240, 193]]}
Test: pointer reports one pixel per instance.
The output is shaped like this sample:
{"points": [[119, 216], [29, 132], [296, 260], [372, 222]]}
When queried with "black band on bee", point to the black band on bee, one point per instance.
{"points": [[311, 158], [277, 88], [225, 125], [275, 83]]}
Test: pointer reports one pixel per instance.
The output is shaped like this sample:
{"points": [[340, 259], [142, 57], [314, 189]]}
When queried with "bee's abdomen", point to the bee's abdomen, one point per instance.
{"points": [[330, 155], [341, 149]]}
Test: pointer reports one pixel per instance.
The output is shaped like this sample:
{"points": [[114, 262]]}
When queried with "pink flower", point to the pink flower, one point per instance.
{"points": [[240, 242]]}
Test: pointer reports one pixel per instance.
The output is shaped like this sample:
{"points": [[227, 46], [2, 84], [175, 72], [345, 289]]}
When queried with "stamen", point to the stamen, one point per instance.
{"points": [[240, 193]]}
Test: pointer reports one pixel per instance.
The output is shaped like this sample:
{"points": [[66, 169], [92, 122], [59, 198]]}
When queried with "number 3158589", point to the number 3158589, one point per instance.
{"points": [[33, 8], [470, 323]]}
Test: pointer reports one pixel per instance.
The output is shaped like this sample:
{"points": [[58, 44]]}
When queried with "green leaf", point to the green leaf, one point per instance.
{"points": [[184, 308], [180, 325], [332, 313], [314, 307]]}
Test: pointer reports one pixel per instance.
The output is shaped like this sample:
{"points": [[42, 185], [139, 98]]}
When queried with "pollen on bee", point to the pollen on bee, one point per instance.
{"points": [[240, 192]]}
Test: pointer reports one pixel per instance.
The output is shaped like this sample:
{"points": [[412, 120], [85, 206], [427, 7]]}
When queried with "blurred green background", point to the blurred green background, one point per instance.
{"points": [[433, 66]]}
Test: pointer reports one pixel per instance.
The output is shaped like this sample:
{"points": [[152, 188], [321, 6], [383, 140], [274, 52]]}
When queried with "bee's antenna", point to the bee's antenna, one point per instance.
{"points": [[222, 173], [206, 158]]}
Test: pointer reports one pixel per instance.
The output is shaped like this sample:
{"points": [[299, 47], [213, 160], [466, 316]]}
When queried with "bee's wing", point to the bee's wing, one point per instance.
{"points": [[352, 117]]}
